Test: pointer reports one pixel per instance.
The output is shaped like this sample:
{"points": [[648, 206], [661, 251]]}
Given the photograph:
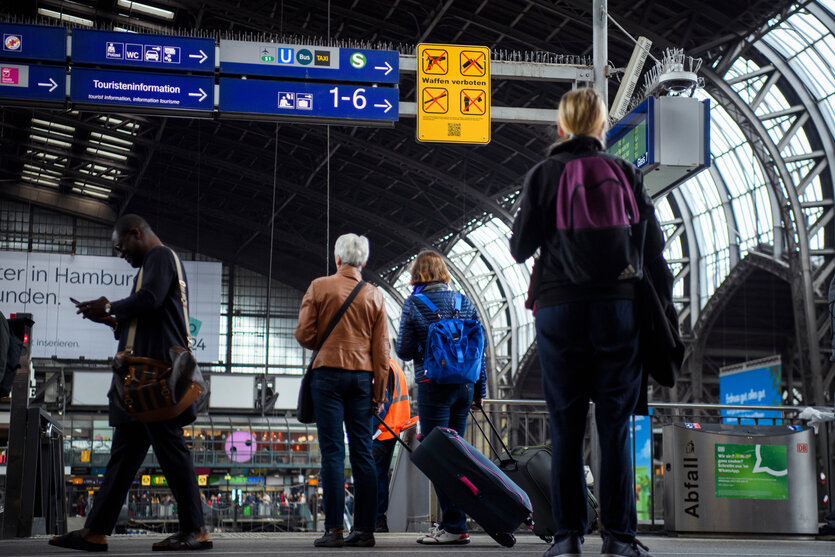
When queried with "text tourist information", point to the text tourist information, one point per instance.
{"points": [[140, 89]]}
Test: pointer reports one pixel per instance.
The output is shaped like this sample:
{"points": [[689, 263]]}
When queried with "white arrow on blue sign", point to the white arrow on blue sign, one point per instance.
{"points": [[38, 82], [140, 51], [141, 89], [308, 100]]}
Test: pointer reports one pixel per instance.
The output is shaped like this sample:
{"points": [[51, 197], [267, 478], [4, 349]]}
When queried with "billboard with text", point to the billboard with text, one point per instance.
{"points": [[42, 284]]}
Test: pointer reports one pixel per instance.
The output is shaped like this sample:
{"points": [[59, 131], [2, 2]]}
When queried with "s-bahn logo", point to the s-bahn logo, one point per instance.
{"points": [[12, 42]]}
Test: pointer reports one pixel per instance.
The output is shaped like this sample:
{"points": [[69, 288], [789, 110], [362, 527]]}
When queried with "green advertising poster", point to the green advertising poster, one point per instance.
{"points": [[752, 471], [642, 492]]}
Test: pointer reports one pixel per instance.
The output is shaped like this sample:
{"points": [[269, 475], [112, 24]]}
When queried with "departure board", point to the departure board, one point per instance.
{"points": [[630, 139]]}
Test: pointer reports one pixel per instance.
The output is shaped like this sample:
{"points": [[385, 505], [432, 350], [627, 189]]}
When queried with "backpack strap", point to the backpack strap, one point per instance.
{"points": [[429, 305], [457, 308]]}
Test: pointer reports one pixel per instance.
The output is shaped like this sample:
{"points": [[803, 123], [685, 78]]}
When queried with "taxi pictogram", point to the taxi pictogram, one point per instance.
{"points": [[435, 100], [435, 61], [473, 63], [473, 101]]}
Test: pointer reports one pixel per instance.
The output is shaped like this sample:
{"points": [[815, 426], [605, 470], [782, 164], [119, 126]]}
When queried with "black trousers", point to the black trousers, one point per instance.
{"points": [[130, 445]]}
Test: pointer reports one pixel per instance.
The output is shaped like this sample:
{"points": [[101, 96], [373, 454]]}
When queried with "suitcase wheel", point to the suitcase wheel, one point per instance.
{"points": [[547, 539], [504, 538]]}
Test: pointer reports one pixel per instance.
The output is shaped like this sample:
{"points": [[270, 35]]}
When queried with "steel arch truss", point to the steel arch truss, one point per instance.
{"points": [[805, 216]]}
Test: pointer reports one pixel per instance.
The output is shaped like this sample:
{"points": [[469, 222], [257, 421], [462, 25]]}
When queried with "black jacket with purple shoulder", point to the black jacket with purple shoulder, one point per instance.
{"points": [[535, 227]]}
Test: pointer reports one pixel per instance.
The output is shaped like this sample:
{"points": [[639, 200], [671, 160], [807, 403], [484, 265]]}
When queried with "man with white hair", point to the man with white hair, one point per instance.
{"points": [[348, 385]]}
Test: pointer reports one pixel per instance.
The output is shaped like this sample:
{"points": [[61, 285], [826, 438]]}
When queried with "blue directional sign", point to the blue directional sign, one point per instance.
{"points": [[33, 42], [142, 51], [38, 83], [141, 89], [309, 62], [308, 100]]}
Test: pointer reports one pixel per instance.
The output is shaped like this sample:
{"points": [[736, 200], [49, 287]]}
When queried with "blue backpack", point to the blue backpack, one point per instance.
{"points": [[454, 346], [600, 231]]}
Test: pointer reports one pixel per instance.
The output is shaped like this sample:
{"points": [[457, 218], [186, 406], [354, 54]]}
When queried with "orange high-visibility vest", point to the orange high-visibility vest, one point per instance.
{"points": [[398, 415]]}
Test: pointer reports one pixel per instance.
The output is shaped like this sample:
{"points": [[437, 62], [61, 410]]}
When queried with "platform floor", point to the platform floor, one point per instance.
{"points": [[391, 545]]}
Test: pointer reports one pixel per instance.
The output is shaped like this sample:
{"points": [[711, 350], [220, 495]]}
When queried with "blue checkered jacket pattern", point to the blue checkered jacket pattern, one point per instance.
{"points": [[414, 326]]}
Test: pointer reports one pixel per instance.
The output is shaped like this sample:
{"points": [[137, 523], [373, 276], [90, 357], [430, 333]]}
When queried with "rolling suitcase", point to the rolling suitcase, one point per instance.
{"points": [[469, 478], [530, 468]]}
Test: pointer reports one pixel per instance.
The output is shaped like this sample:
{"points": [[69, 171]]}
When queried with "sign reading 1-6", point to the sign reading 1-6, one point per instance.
{"points": [[453, 93], [356, 98], [297, 99]]}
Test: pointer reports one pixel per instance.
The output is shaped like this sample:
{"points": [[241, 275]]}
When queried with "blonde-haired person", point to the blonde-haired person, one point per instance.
{"points": [[438, 405], [586, 332], [348, 386]]}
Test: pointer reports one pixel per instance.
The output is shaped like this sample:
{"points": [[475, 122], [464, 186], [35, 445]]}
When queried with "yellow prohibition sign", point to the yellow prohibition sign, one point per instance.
{"points": [[453, 93]]}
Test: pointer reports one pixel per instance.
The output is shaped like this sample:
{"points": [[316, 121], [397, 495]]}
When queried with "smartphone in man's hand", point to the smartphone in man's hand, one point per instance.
{"points": [[73, 300]]}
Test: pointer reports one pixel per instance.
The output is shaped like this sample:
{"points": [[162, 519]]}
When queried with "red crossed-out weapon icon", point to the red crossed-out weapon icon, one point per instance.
{"points": [[432, 100], [474, 62], [472, 102], [433, 61]]}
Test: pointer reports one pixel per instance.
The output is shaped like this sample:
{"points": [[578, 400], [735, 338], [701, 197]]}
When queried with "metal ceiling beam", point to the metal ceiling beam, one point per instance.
{"points": [[78, 206]]}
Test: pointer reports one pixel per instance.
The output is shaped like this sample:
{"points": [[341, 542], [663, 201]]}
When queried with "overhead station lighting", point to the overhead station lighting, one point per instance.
{"points": [[146, 9], [40, 175], [89, 189], [65, 17]]}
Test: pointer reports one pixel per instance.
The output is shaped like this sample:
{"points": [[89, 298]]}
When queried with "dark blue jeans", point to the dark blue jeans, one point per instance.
{"points": [[345, 396], [589, 350], [383, 451], [445, 406]]}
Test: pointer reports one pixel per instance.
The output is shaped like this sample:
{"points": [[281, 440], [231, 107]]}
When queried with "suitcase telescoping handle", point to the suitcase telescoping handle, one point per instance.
{"points": [[510, 458], [405, 446]]}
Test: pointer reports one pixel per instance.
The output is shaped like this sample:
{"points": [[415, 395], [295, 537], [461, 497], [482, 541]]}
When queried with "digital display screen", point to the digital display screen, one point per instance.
{"points": [[632, 145], [629, 138]]}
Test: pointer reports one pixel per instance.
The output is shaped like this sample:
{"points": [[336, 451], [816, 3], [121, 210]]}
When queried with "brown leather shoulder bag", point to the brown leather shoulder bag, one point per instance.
{"points": [[152, 390]]}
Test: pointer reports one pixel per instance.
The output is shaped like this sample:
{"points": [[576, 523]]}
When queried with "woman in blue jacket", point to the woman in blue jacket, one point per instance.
{"points": [[438, 405]]}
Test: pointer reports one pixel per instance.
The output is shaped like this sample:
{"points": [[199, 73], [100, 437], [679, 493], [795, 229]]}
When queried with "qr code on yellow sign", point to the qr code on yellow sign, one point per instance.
{"points": [[453, 130]]}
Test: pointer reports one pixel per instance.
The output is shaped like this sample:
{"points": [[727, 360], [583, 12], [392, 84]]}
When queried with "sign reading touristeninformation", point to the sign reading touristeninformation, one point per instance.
{"points": [[453, 93], [142, 89]]}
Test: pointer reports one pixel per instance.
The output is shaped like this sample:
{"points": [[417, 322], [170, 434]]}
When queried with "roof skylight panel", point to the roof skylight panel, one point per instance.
{"points": [[65, 17], [106, 153], [146, 9]]}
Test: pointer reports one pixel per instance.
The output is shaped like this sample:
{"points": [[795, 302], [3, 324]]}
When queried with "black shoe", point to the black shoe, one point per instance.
{"points": [[332, 538], [826, 533], [613, 547], [381, 525], [360, 539], [566, 547], [74, 540]]}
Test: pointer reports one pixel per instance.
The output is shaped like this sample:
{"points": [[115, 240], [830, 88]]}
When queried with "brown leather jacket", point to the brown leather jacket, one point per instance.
{"points": [[360, 339]]}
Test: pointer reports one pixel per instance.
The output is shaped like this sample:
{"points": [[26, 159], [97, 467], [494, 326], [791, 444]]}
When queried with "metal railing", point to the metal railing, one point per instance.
{"points": [[525, 423], [249, 516], [209, 458]]}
